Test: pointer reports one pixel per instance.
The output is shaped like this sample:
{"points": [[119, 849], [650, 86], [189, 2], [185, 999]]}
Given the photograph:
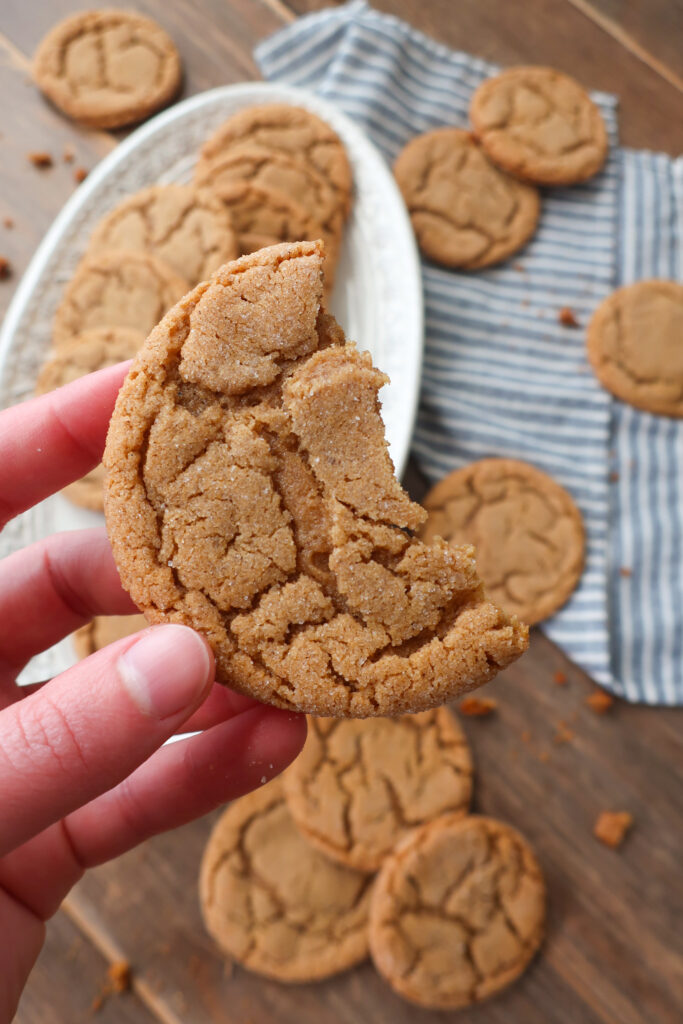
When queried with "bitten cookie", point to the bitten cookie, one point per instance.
{"points": [[635, 345], [104, 630], [117, 288], [527, 532], [465, 211], [275, 904], [86, 353], [358, 787], [265, 512], [107, 68], [457, 912], [539, 125], [188, 228]]}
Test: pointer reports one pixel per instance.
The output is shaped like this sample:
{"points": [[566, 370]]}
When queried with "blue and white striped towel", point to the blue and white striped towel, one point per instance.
{"points": [[501, 375]]}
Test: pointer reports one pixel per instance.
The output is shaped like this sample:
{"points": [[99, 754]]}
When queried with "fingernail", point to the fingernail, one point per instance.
{"points": [[167, 671]]}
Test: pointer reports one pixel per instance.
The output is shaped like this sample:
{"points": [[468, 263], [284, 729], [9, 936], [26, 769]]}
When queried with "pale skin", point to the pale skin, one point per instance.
{"points": [[83, 778]]}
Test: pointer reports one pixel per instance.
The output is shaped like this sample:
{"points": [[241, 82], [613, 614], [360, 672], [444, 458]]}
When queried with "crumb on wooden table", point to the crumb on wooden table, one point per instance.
{"points": [[544, 756], [560, 679], [567, 318], [477, 707], [611, 827], [41, 159], [5, 268], [526, 736], [564, 734], [117, 980], [599, 701]]}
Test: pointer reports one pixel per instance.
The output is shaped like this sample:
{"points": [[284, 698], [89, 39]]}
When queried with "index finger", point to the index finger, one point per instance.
{"points": [[50, 441]]}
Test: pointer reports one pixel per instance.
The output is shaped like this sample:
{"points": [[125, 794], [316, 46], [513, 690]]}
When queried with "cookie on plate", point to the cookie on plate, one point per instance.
{"points": [[104, 630], [85, 353], [107, 68], [526, 529], [635, 345], [188, 228], [273, 902], [266, 513], [358, 786], [457, 912], [117, 288], [540, 125], [465, 212]]}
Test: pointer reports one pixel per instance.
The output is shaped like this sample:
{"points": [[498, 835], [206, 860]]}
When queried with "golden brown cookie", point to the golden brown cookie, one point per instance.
{"points": [[107, 68], [539, 125], [527, 532], [117, 288], [275, 904], [188, 228], [85, 353], [266, 513], [287, 129], [457, 912], [104, 630], [358, 786], [465, 211], [635, 345]]}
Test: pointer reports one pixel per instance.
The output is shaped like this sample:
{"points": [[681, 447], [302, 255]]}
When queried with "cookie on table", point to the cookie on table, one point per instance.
{"points": [[107, 68], [635, 345], [526, 529], [358, 786], [117, 288], [188, 228], [104, 630], [466, 213], [273, 902], [266, 513], [540, 125], [85, 353], [287, 129], [457, 912]]}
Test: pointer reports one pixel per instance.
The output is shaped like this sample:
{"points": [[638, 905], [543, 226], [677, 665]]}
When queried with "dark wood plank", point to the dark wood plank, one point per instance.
{"points": [[68, 978], [557, 33]]}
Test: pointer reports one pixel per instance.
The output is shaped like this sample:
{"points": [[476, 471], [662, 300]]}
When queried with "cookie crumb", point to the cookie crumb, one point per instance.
{"points": [[625, 571], [566, 317], [526, 736], [599, 701], [564, 734], [118, 975], [477, 707], [614, 477], [5, 268], [544, 756], [69, 154], [80, 174], [40, 159], [560, 679], [8, 222], [612, 826]]}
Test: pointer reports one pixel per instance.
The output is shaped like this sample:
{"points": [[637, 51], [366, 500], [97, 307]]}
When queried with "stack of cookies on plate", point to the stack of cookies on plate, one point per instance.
{"points": [[366, 845]]}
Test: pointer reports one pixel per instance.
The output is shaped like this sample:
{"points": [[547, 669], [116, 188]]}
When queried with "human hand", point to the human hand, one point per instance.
{"points": [[82, 775]]}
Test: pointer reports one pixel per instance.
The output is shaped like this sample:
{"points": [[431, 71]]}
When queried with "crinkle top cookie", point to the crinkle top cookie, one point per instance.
{"points": [[250, 495]]}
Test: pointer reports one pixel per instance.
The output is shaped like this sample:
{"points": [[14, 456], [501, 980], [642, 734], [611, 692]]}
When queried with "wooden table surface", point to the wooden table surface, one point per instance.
{"points": [[614, 951]]}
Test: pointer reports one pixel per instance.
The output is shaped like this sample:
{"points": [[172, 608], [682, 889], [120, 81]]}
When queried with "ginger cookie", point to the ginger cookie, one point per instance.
{"points": [[85, 353], [251, 496], [457, 912], [104, 630], [117, 288], [188, 228], [465, 211], [107, 68], [292, 130], [539, 125], [358, 786], [635, 345], [273, 902], [527, 532], [262, 217]]}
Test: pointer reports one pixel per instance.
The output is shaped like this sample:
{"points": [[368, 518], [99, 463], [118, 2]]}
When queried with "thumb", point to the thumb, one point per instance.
{"points": [[93, 725]]}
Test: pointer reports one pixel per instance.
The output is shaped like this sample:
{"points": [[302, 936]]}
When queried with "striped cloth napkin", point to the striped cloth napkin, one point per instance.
{"points": [[502, 376]]}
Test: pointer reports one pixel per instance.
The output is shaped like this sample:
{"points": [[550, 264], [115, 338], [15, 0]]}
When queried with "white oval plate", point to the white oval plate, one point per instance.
{"points": [[377, 297]]}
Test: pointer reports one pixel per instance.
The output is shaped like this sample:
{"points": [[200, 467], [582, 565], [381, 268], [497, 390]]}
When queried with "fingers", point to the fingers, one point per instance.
{"points": [[47, 442], [220, 705], [185, 780], [53, 587], [89, 728]]}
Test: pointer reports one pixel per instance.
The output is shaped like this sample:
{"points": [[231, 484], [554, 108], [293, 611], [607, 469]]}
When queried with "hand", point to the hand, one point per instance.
{"points": [[82, 778]]}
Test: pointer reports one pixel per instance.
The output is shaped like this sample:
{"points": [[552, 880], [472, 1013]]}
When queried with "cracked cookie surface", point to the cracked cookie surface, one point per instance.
{"points": [[457, 912], [540, 125], [464, 210], [107, 68], [635, 345], [85, 353], [188, 228], [273, 902], [358, 786], [104, 630], [117, 288], [527, 532], [250, 495]]}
